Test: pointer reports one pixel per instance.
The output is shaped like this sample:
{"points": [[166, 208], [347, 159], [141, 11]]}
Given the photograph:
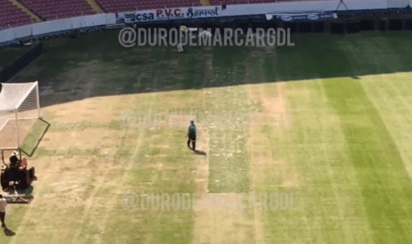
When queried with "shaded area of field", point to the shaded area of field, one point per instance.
{"points": [[9, 54], [95, 64]]}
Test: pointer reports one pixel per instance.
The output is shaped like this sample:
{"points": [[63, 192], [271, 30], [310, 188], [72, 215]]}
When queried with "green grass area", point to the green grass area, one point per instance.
{"points": [[383, 179], [341, 163], [33, 138], [98, 57]]}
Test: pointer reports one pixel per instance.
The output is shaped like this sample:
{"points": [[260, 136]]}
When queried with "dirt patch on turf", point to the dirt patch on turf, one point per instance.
{"points": [[262, 156], [87, 139], [181, 121], [158, 146], [157, 166], [83, 111], [9, 129], [74, 182], [156, 156], [267, 169], [66, 180], [220, 219], [258, 163], [95, 110], [156, 136], [275, 109], [72, 179]]}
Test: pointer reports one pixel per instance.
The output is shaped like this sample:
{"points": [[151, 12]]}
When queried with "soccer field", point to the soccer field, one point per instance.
{"points": [[333, 142]]}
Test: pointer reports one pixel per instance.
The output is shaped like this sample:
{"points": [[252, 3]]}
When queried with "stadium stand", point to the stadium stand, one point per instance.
{"points": [[113, 6], [12, 16], [226, 2], [58, 9]]}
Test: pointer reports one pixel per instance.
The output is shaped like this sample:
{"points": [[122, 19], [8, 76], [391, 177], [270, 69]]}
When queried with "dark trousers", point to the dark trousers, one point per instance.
{"points": [[193, 140], [2, 218]]}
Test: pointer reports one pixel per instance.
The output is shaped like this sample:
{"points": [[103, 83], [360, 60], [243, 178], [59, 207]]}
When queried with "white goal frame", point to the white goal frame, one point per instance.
{"points": [[12, 97]]}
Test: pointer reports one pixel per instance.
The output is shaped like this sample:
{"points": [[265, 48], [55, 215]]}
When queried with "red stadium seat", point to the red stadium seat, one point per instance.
{"points": [[59, 8], [131, 5], [11, 16]]}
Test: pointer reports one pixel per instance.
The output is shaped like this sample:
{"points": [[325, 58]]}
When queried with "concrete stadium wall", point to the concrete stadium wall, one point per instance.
{"points": [[57, 26]]}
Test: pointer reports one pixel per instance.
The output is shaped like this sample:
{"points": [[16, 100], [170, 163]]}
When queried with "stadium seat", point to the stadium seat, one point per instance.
{"points": [[228, 2], [58, 8], [11, 16], [114, 6]]}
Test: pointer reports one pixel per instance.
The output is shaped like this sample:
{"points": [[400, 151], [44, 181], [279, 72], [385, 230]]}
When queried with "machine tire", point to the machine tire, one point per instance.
{"points": [[25, 180], [4, 181]]}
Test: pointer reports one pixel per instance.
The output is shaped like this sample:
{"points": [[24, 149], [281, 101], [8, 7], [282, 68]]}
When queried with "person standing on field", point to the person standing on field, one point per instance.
{"points": [[191, 134], [3, 204]]}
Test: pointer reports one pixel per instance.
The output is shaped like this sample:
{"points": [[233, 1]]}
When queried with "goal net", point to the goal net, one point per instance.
{"points": [[19, 110]]}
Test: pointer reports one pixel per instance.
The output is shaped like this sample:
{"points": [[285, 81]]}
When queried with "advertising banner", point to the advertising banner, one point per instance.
{"points": [[304, 16], [169, 14], [136, 17]]}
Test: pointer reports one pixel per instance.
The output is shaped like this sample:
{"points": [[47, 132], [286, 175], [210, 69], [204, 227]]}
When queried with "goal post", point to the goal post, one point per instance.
{"points": [[19, 110]]}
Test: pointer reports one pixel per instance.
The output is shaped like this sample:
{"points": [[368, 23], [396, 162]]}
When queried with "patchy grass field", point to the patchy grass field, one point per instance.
{"points": [[322, 159]]}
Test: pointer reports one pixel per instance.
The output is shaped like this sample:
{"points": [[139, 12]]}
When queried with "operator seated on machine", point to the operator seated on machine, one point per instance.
{"points": [[14, 161], [16, 164]]}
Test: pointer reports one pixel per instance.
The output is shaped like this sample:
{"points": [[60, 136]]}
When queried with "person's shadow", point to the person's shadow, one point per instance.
{"points": [[8, 232], [199, 152]]}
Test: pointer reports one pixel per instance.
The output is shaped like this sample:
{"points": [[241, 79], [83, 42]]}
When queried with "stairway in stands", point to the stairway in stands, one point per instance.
{"points": [[95, 6], [26, 10], [205, 2]]}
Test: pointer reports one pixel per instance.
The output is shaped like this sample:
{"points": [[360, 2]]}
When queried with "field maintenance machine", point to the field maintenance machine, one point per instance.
{"points": [[16, 179]]}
